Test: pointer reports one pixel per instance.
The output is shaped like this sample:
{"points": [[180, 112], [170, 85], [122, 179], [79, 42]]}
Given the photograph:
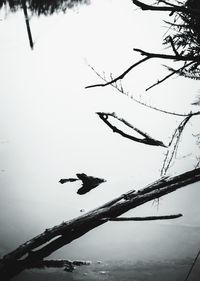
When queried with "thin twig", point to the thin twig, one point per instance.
{"points": [[121, 76], [169, 75], [121, 90], [149, 218], [192, 266], [147, 57], [175, 138], [173, 46]]}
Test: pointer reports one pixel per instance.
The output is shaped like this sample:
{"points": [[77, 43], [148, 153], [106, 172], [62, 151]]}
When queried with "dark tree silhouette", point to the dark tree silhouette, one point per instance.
{"points": [[33, 252], [42, 7], [37, 7]]}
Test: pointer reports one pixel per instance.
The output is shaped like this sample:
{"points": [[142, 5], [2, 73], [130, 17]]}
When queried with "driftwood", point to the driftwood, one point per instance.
{"points": [[88, 182], [41, 246]]}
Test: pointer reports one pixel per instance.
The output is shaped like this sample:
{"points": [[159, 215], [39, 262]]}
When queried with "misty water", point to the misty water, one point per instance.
{"points": [[49, 131]]}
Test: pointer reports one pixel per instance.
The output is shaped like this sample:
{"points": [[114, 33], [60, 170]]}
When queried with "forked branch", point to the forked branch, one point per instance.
{"points": [[148, 55], [146, 138], [121, 90], [168, 57], [174, 143], [168, 8]]}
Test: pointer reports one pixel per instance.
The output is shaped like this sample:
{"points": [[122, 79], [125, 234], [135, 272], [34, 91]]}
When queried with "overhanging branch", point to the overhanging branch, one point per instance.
{"points": [[148, 55], [168, 8], [168, 57], [175, 71], [121, 76]]}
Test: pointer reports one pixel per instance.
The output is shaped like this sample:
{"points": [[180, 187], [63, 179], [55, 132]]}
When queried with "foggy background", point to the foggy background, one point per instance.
{"points": [[49, 130]]}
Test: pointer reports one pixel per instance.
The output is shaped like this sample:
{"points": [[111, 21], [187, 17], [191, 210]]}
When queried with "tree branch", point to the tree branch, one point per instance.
{"points": [[68, 231], [121, 90], [149, 218], [27, 24], [169, 75], [168, 57], [146, 140], [170, 8], [121, 76], [176, 139], [147, 57]]}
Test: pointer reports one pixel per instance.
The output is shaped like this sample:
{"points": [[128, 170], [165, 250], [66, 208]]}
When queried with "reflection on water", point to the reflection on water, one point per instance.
{"points": [[118, 271], [42, 7]]}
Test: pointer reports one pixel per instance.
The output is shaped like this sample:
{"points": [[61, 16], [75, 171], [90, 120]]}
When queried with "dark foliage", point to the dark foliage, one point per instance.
{"points": [[184, 37], [42, 7]]}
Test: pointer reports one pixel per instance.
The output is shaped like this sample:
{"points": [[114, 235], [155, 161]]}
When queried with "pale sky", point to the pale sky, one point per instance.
{"points": [[49, 129]]}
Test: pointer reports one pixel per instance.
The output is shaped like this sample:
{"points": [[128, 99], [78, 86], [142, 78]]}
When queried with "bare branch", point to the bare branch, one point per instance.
{"points": [[176, 139], [173, 46], [121, 76], [149, 218], [121, 90], [168, 57], [146, 140], [147, 57], [169, 75], [170, 8]]}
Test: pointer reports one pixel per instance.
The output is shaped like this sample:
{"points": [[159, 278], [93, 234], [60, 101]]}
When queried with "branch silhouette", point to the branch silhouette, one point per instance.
{"points": [[148, 56], [146, 138], [54, 238], [169, 8]]}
